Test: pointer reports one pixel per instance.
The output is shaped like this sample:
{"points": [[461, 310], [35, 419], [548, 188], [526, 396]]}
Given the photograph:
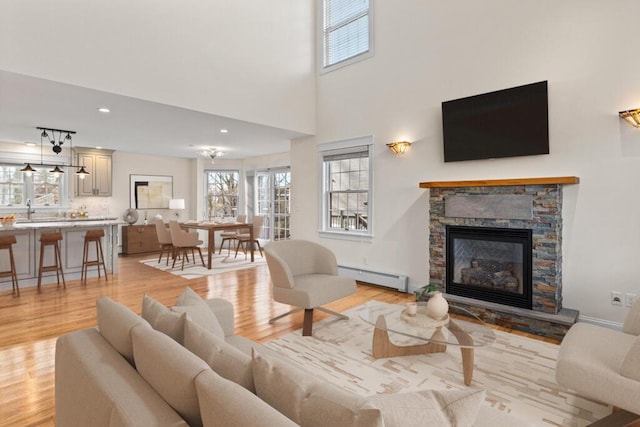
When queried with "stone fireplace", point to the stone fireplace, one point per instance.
{"points": [[494, 266]]}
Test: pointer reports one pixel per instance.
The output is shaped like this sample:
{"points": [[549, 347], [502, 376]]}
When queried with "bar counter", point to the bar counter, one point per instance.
{"points": [[27, 249]]}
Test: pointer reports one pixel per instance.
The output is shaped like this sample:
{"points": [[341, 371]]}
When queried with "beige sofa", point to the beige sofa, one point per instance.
{"points": [[602, 363], [184, 366]]}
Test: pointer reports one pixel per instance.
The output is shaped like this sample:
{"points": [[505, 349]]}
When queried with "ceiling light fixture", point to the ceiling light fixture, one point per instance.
{"points": [[104, 110], [399, 148], [631, 116], [212, 153], [224, 131], [57, 137]]}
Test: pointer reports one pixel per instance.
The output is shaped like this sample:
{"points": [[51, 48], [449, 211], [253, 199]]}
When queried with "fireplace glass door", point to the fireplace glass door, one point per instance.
{"points": [[491, 264]]}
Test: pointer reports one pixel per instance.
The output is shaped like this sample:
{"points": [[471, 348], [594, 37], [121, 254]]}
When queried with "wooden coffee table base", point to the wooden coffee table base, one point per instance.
{"points": [[383, 347]]}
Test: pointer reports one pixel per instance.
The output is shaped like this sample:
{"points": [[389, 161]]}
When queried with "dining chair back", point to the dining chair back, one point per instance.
{"points": [[244, 238]]}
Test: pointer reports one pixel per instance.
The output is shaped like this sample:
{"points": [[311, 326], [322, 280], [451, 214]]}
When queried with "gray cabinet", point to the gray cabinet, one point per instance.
{"points": [[98, 164]]}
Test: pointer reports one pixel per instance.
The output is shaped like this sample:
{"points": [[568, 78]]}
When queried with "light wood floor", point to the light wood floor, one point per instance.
{"points": [[30, 324]]}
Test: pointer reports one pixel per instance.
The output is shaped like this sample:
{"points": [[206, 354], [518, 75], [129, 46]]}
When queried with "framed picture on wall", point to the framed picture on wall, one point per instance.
{"points": [[150, 191]]}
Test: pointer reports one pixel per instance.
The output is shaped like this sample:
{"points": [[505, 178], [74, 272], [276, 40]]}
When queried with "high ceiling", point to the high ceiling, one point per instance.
{"points": [[132, 125]]}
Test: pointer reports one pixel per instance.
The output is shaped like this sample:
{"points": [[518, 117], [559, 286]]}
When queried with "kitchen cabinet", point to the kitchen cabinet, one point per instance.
{"points": [[98, 164], [137, 239]]}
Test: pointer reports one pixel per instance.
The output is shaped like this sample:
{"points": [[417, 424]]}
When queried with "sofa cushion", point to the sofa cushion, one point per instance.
{"points": [[329, 405], [430, 407], [115, 322], [631, 363], [225, 403], [170, 369], [162, 319], [97, 387], [280, 385], [313, 402], [226, 360], [197, 308]]}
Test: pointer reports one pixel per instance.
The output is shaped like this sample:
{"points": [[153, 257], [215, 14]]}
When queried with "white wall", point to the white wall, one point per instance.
{"points": [[427, 52], [247, 59], [125, 164]]}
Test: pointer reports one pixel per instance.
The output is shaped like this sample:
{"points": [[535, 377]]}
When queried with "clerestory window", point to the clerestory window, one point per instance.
{"points": [[347, 32]]}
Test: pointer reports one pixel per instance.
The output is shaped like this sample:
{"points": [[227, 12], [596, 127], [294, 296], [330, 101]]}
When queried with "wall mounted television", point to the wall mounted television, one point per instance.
{"points": [[505, 123]]}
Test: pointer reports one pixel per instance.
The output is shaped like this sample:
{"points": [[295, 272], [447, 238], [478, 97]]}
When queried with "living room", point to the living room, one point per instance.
{"points": [[424, 54]]}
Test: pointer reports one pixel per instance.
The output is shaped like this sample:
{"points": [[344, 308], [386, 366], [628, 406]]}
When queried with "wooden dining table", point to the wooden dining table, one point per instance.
{"points": [[212, 227]]}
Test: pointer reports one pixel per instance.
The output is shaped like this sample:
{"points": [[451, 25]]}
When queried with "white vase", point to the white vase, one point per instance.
{"points": [[437, 306]]}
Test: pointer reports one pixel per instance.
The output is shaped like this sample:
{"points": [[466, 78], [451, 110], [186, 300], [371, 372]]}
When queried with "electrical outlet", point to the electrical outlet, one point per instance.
{"points": [[630, 299], [616, 298]]}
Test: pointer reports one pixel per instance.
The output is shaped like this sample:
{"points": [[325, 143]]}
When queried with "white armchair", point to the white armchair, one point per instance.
{"points": [[602, 363], [305, 275]]}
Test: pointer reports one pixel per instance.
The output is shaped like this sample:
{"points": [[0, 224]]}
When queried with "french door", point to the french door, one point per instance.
{"points": [[273, 202]]}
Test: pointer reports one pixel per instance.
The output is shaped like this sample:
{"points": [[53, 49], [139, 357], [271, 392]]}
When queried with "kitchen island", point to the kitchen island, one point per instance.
{"points": [[27, 249]]}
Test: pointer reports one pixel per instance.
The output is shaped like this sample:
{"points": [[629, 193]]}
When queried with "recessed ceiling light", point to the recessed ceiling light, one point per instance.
{"points": [[224, 131], [104, 110]]}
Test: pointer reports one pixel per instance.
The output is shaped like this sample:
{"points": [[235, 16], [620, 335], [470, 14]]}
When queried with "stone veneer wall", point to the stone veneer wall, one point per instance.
{"points": [[546, 226]]}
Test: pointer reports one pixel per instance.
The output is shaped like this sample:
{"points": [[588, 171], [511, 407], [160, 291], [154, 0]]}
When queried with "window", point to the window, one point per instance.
{"points": [[221, 188], [43, 188], [346, 204], [347, 31], [274, 202]]}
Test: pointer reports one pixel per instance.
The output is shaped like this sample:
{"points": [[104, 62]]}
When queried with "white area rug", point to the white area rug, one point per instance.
{"points": [[220, 264], [517, 372]]}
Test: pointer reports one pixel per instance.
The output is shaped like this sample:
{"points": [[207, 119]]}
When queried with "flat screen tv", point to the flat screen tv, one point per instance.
{"points": [[505, 123]]}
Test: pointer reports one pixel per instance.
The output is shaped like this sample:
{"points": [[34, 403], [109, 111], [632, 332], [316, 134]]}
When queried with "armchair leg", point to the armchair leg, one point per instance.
{"points": [[308, 322], [295, 310], [333, 313]]}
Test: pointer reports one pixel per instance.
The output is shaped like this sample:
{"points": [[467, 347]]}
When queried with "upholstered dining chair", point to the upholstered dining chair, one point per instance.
{"points": [[305, 274], [164, 238], [183, 242], [230, 236], [244, 238]]}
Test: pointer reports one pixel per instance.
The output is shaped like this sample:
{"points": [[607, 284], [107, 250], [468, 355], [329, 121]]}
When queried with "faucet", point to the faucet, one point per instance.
{"points": [[29, 210]]}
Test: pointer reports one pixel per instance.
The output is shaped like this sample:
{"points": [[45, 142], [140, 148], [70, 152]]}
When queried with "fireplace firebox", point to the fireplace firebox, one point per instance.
{"points": [[490, 264]]}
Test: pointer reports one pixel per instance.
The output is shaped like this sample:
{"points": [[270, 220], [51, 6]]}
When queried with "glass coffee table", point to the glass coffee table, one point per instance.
{"points": [[467, 334]]}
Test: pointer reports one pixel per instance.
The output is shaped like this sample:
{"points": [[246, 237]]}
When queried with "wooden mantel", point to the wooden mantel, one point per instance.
{"points": [[502, 182]]}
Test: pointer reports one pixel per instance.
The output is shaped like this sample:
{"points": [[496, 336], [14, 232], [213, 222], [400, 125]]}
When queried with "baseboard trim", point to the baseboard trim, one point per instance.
{"points": [[600, 322]]}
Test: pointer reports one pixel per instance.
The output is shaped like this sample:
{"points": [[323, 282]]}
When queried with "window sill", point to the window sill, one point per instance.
{"points": [[346, 235]]}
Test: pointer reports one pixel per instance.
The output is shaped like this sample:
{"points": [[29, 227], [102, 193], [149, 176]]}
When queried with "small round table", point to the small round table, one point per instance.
{"points": [[466, 334]]}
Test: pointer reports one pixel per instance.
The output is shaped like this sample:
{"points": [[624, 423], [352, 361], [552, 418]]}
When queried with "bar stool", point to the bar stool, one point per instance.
{"points": [[6, 242], [94, 236], [51, 239]]}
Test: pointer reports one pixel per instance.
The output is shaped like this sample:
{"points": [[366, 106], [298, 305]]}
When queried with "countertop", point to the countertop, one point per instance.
{"points": [[63, 223]]}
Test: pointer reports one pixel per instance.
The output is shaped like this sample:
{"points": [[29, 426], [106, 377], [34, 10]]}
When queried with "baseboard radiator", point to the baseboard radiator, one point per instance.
{"points": [[389, 280]]}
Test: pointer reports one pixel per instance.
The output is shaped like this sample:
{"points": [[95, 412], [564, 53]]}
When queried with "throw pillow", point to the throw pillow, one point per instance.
{"points": [[224, 403], [457, 408], [162, 319], [190, 302], [631, 363], [226, 360], [170, 369], [280, 385], [289, 388], [329, 405], [115, 322]]}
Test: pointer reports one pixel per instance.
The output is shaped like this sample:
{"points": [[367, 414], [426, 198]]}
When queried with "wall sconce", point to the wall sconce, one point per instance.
{"points": [[632, 116], [399, 148]]}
